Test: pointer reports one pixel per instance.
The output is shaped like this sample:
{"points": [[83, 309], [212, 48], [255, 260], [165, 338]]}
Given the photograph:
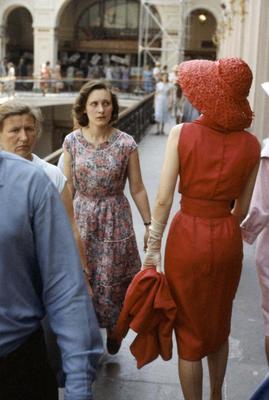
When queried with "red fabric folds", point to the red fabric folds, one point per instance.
{"points": [[150, 311]]}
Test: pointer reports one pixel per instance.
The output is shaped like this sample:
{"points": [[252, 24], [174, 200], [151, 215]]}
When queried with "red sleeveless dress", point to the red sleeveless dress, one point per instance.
{"points": [[203, 256]]}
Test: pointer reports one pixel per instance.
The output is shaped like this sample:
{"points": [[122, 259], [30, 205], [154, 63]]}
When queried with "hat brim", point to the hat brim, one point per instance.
{"points": [[200, 83]]}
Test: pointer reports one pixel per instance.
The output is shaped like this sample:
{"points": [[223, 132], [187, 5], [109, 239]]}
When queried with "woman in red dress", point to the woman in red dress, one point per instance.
{"points": [[216, 161]]}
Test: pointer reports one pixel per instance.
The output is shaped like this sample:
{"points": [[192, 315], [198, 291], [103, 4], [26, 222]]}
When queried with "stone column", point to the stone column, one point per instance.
{"points": [[258, 54], [45, 47], [170, 23], [170, 56], [3, 41]]}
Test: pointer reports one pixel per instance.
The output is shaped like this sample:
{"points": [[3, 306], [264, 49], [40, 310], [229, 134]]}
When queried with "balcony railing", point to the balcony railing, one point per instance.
{"points": [[44, 86]]}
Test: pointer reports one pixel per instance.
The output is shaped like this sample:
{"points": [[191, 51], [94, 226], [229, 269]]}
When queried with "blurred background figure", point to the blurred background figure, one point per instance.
{"points": [[10, 80], [147, 79], [109, 73], [45, 77], [70, 71], [157, 72], [164, 69], [125, 76], [58, 84], [3, 74], [21, 74], [189, 113], [176, 94], [163, 103]]}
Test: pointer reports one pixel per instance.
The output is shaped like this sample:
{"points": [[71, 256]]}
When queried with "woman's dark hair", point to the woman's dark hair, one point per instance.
{"points": [[80, 103]]}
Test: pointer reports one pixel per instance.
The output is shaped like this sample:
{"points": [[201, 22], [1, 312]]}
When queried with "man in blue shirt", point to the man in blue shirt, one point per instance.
{"points": [[40, 274]]}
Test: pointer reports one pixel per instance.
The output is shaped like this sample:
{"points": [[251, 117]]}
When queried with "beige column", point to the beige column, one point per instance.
{"points": [[45, 47], [258, 53], [3, 41], [170, 53]]}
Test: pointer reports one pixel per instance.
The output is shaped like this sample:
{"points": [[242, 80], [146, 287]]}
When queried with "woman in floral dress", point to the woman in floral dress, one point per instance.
{"points": [[98, 159]]}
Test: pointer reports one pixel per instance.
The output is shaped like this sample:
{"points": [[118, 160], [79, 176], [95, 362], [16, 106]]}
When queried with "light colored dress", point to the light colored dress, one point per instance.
{"points": [[256, 226], [104, 218], [53, 172], [148, 81], [162, 114]]}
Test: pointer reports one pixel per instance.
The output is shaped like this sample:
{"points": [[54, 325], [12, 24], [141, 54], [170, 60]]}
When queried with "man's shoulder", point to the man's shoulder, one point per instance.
{"points": [[13, 159], [4, 155], [17, 167]]}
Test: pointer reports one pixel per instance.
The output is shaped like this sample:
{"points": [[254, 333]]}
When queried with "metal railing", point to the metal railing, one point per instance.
{"points": [[70, 85], [134, 120]]}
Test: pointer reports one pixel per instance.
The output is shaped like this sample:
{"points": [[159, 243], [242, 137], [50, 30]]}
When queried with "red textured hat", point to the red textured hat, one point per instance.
{"points": [[219, 90]]}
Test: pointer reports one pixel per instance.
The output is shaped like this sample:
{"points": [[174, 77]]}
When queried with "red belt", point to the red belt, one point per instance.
{"points": [[205, 208]]}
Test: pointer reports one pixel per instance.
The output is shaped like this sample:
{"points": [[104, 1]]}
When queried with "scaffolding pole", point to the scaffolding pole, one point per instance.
{"points": [[146, 46]]}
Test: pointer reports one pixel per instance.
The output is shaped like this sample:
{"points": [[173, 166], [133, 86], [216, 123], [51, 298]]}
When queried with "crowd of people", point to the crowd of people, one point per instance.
{"points": [[70, 75], [68, 251], [63, 76]]}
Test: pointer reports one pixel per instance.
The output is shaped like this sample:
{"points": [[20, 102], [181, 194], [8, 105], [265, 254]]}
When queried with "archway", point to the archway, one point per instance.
{"points": [[101, 32], [19, 34], [200, 29]]}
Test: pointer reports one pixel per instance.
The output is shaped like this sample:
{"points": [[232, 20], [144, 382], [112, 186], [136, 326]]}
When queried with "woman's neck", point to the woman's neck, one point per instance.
{"points": [[97, 135]]}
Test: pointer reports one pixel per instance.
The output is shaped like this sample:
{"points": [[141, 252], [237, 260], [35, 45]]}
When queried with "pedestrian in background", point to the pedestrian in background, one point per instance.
{"points": [[176, 95], [157, 72], [163, 103], [45, 77], [125, 77], [147, 79], [10, 80], [3, 73], [58, 84], [22, 74], [189, 113]]}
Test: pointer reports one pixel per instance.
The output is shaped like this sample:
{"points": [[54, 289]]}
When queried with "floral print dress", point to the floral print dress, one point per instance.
{"points": [[104, 218]]}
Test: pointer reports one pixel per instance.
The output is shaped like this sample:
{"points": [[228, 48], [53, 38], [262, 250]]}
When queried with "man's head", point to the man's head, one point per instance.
{"points": [[20, 125]]}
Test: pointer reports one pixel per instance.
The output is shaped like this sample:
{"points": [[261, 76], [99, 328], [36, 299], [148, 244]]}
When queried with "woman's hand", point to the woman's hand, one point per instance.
{"points": [[152, 259], [153, 254]]}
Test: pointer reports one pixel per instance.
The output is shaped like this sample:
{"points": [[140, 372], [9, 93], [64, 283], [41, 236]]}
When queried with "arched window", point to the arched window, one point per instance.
{"points": [[110, 19], [200, 29]]}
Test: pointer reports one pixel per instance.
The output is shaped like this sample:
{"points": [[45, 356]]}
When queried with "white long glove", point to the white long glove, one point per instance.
{"points": [[153, 253]]}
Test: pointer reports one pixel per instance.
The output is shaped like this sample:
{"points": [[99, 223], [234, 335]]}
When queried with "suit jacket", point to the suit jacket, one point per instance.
{"points": [[150, 311]]}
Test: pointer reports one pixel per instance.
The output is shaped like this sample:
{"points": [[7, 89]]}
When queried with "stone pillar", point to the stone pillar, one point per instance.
{"points": [[170, 57], [3, 41], [45, 47], [171, 39], [258, 54]]}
